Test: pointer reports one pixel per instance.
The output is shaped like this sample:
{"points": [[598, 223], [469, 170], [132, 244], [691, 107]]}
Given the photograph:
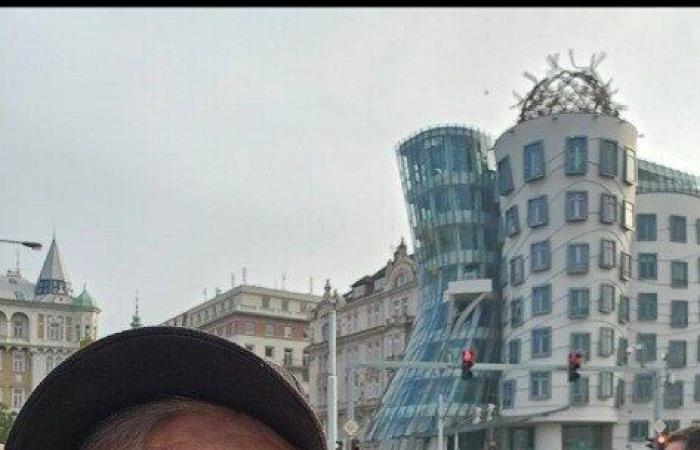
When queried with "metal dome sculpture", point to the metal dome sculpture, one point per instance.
{"points": [[562, 91]]}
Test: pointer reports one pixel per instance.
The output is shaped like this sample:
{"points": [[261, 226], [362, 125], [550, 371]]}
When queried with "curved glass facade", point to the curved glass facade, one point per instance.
{"points": [[451, 202]]}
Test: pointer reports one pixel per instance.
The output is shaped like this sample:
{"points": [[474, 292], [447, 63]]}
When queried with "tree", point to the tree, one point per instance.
{"points": [[7, 418]]}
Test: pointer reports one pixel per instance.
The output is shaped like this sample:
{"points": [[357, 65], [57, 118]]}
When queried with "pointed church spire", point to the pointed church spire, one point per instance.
{"points": [[136, 318], [53, 278]]}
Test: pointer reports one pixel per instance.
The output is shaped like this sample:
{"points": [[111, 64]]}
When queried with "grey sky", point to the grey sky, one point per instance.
{"points": [[170, 148]]}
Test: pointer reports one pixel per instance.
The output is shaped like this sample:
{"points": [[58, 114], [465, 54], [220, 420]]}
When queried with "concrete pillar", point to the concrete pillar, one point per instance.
{"points": [[548, 435]]}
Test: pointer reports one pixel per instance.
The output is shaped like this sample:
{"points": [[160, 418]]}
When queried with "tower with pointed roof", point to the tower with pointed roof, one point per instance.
{"points": [[136, 318], [53, 282]]}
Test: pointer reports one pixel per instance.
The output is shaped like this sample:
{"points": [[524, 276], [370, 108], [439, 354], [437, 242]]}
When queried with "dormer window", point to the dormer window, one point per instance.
{"points": [[401, 279]]}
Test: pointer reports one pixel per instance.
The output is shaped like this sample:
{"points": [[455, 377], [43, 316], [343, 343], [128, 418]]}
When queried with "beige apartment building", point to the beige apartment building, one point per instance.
{"points": [[374, 321], [271, 323]]}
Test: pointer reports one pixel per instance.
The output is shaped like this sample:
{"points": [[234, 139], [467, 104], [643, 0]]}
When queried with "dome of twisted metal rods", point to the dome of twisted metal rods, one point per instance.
{"points": [[568, 91]]}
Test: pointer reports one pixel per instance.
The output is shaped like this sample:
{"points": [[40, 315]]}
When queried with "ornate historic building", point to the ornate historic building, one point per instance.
{"points": [[40, 325]]}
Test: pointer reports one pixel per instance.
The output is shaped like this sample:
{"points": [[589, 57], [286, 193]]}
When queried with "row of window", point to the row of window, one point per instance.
{"points": [[648, 269], [576, 162], [541, 344], [219, 309], [576, 210], [639, 429], [677, 228]]}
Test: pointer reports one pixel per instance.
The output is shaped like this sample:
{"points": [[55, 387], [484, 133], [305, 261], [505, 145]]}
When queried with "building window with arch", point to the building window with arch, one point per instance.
{"points": [[401, 279], [20, 326]]}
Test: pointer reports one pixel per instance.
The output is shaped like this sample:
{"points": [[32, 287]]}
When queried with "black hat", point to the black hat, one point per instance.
{"points": [[148, 364]]}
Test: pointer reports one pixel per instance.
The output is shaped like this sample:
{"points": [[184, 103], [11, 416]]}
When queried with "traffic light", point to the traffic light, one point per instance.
{"points": [[468, 357], [575, 362]]}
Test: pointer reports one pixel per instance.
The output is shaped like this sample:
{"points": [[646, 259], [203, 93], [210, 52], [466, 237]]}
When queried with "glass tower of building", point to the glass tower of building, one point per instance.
{"points": [[451, 202]]}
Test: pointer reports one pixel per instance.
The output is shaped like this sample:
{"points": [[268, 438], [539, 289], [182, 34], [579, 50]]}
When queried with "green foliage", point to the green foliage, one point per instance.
{"points": [[7, 418]]}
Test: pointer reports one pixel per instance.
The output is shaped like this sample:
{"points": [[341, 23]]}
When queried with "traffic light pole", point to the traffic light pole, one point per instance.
{"points": [[332, 417]]}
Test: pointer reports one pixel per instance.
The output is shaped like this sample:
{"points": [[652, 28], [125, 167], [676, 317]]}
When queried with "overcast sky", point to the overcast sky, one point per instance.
{"points": [[170, 148]]}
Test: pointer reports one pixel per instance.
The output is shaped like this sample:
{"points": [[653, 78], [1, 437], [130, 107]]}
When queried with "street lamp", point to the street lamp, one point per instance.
{"points": [[30, 244]]}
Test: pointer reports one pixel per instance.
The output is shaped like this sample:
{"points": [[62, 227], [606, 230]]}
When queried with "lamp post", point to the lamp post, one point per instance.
{"points": [[29, 244]]}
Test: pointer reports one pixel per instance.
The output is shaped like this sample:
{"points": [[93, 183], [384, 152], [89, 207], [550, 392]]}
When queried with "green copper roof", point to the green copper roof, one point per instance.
{"points": [[84, 300]]}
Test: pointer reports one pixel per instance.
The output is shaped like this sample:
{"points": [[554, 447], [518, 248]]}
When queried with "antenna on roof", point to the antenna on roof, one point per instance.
{"points": [[17, 255], [311, 284], [243, 276], [284, 279], [233, 280]]}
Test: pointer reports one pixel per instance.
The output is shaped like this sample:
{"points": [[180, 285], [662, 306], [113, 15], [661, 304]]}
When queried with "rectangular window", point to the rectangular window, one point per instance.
{"points": [[677, 354], [607, 254], [647, 306], [623, 313], [537, 211], [608, 208], [17, 397], [579, 391], [505, 177], [288, 357], [465, 197], [679, 274], [630, 167], [514, 351], [696, 393], [270, 352], [266, 302], [540, 256], [269, 329], [608, 158], [512, 221], [533, 161], [18, 361], [647, 266], [577, 258], [249, 328], [621, 351], [639, 430], [679, 314], [620, 393], [467, 236], [508, 394], [647, 352], [540, 385], [541, 299], [606, 344], [287, 332], [581, 342], [516, 312], [579, 303], [605, 385], [576, 206], [606, 303], [542, 342], [643, 387], [517, 269], [625, 266], [646, 227], [678, 229], [673, 395], [627, 215], [576, 155]]}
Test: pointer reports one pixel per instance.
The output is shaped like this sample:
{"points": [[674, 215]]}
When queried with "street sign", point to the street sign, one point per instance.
{"points": [[351, 427], [659, 426]]}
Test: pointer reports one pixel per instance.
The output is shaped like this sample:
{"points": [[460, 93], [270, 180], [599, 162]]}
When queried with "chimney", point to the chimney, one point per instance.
{"points": [[233, 280], [243, 276]]}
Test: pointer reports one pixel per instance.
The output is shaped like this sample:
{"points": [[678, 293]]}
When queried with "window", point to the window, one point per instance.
{"points": [[620, 393], [621, 351], [579, 303], [577, 258], [646, 227], [627, 215], [19, 327], [542, 299], [249, 328], [512, 222], [643, 387], [639, 430], [576, 155], [537, 212], [287, 332], [647, 266], [673, 395], [679, 274], [606, 344], [625, 266], [17, 397], [541, 342], [49, 364], [630, 167], [606, 302], [608, 158], [647, 341], [540, 256], [579, 391], [677, 354], [517, 269], [607, 254], [514, 351], [40, 326], [677, 229], [465, 197], [467, 236], [269, 329], [288, 357], [18, 361], [540, 385], [679, 314], [266, 302], [647, 306], [696, 393], [623, 313], [516, 312], [581, 342], [505, 178], [269, 351], [608, 208], [576, 206], [533, 161], [442, 200], [508, 394]]}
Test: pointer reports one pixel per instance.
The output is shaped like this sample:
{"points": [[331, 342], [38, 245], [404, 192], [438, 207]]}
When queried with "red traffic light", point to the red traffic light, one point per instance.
{"points": [[575, 363], [468, 358]]}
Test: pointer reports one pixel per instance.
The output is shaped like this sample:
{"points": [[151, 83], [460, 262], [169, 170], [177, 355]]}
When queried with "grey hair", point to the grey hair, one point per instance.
{"points": [[129, 429]]}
